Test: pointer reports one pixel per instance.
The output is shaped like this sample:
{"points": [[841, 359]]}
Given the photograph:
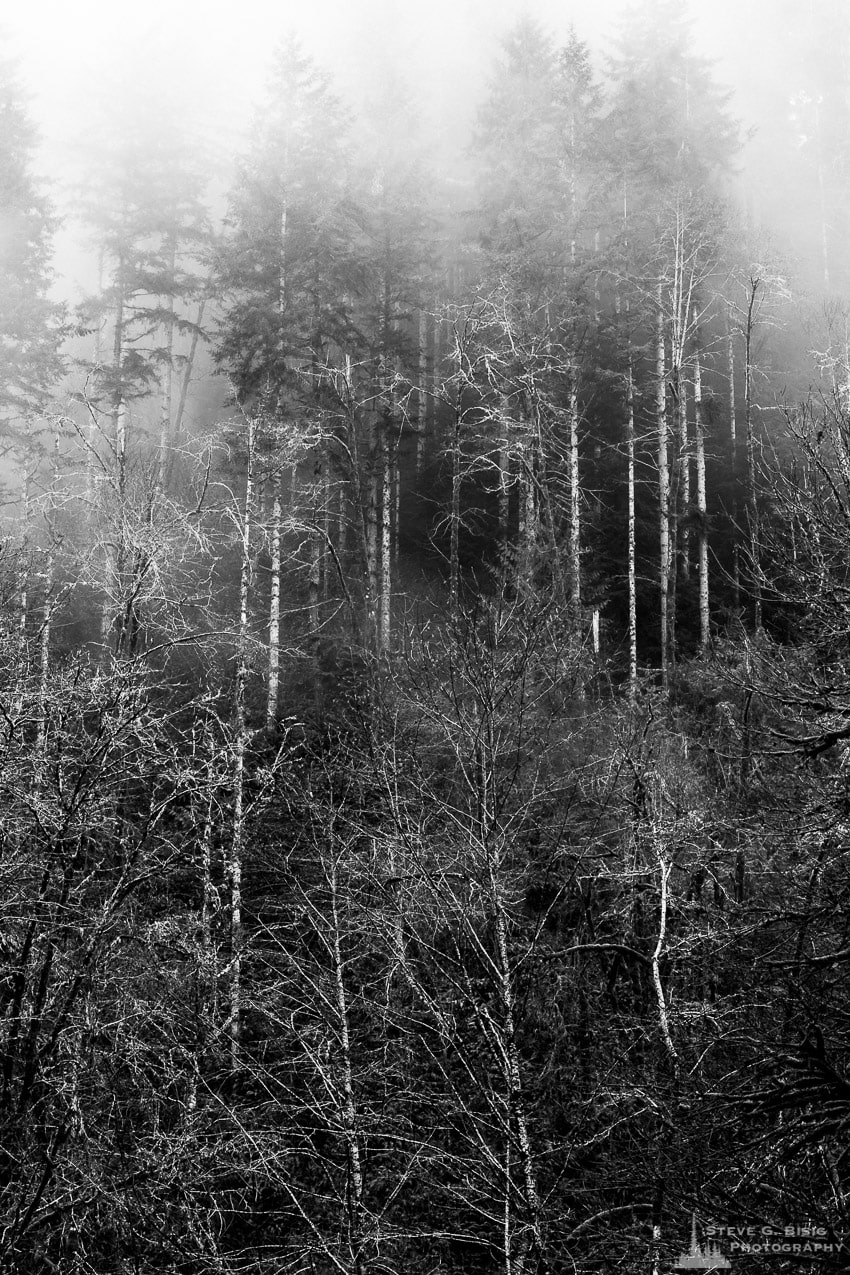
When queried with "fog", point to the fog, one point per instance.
{"points": [[424, 642], [83, 62], [214, 54]]}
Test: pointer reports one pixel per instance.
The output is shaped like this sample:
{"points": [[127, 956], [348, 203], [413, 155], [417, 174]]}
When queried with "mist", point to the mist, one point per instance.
{"points": [[80, 62], [424, 614]]}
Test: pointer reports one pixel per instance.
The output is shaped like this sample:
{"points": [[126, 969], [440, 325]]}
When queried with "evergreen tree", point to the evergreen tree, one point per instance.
{"points": [[520, 183], [670, 124], [578, 109], [30, 323], [143, 203], [285, 266], [671, 143], [397, 261]]}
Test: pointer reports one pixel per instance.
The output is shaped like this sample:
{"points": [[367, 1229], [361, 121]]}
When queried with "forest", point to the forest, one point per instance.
{"points": [[425, 666]]}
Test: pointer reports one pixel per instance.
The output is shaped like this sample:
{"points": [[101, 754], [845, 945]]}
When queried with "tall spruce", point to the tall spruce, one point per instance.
{"points": [[285, 278], [671, 140], [30, 322]]}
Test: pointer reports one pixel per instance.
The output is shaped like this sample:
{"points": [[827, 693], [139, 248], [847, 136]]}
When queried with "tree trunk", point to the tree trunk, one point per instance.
{"points": [[46, 620], [386, 534], [632, 572], [185, 382], [119, 420], [575, 499], [274, 608], [373, 592], [530, 1251], [423, 398], [532, 1239], [363, 500], [665, 868], [733, 448], [316, 550], [92, 425], [527, 503], [663, 492], [685, 478], [44, 655], [348, 1115], [23, 588], [702, 507], [503, 462], [824, 231], [454, 524], [234, 867], [167, 381], [673, 520], [117, 552], [329, 500], [752, 501]]}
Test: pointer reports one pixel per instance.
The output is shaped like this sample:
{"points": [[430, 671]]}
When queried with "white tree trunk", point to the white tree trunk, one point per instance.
{"points": [[733, 445], [632, 572], [91, 448], [575, 498], [386, 536], [317, 547], [702, 506], [663, 492], [454, 524], [274, 608], [116, 552], [348, 1114], [23, 589], [166, 389], [372, 552], [503, 463], [685, 472], [752, 500], [422, 394], [187, 371], [46, 619], [234, 866]]}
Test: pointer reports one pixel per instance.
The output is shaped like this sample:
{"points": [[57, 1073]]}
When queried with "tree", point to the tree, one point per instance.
{"points": [[285, 272], [284, 266], [396, 262], [143, 202], [538, 189], [30, 322], [106, 782], [518, 140], [671, 139]]}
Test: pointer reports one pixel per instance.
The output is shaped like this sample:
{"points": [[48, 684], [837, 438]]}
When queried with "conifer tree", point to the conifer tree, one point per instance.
{"points": [[397, 256], [143, 205], [537, 191], [30, 323], [671, 139], [284, 267], [284, 276]]}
